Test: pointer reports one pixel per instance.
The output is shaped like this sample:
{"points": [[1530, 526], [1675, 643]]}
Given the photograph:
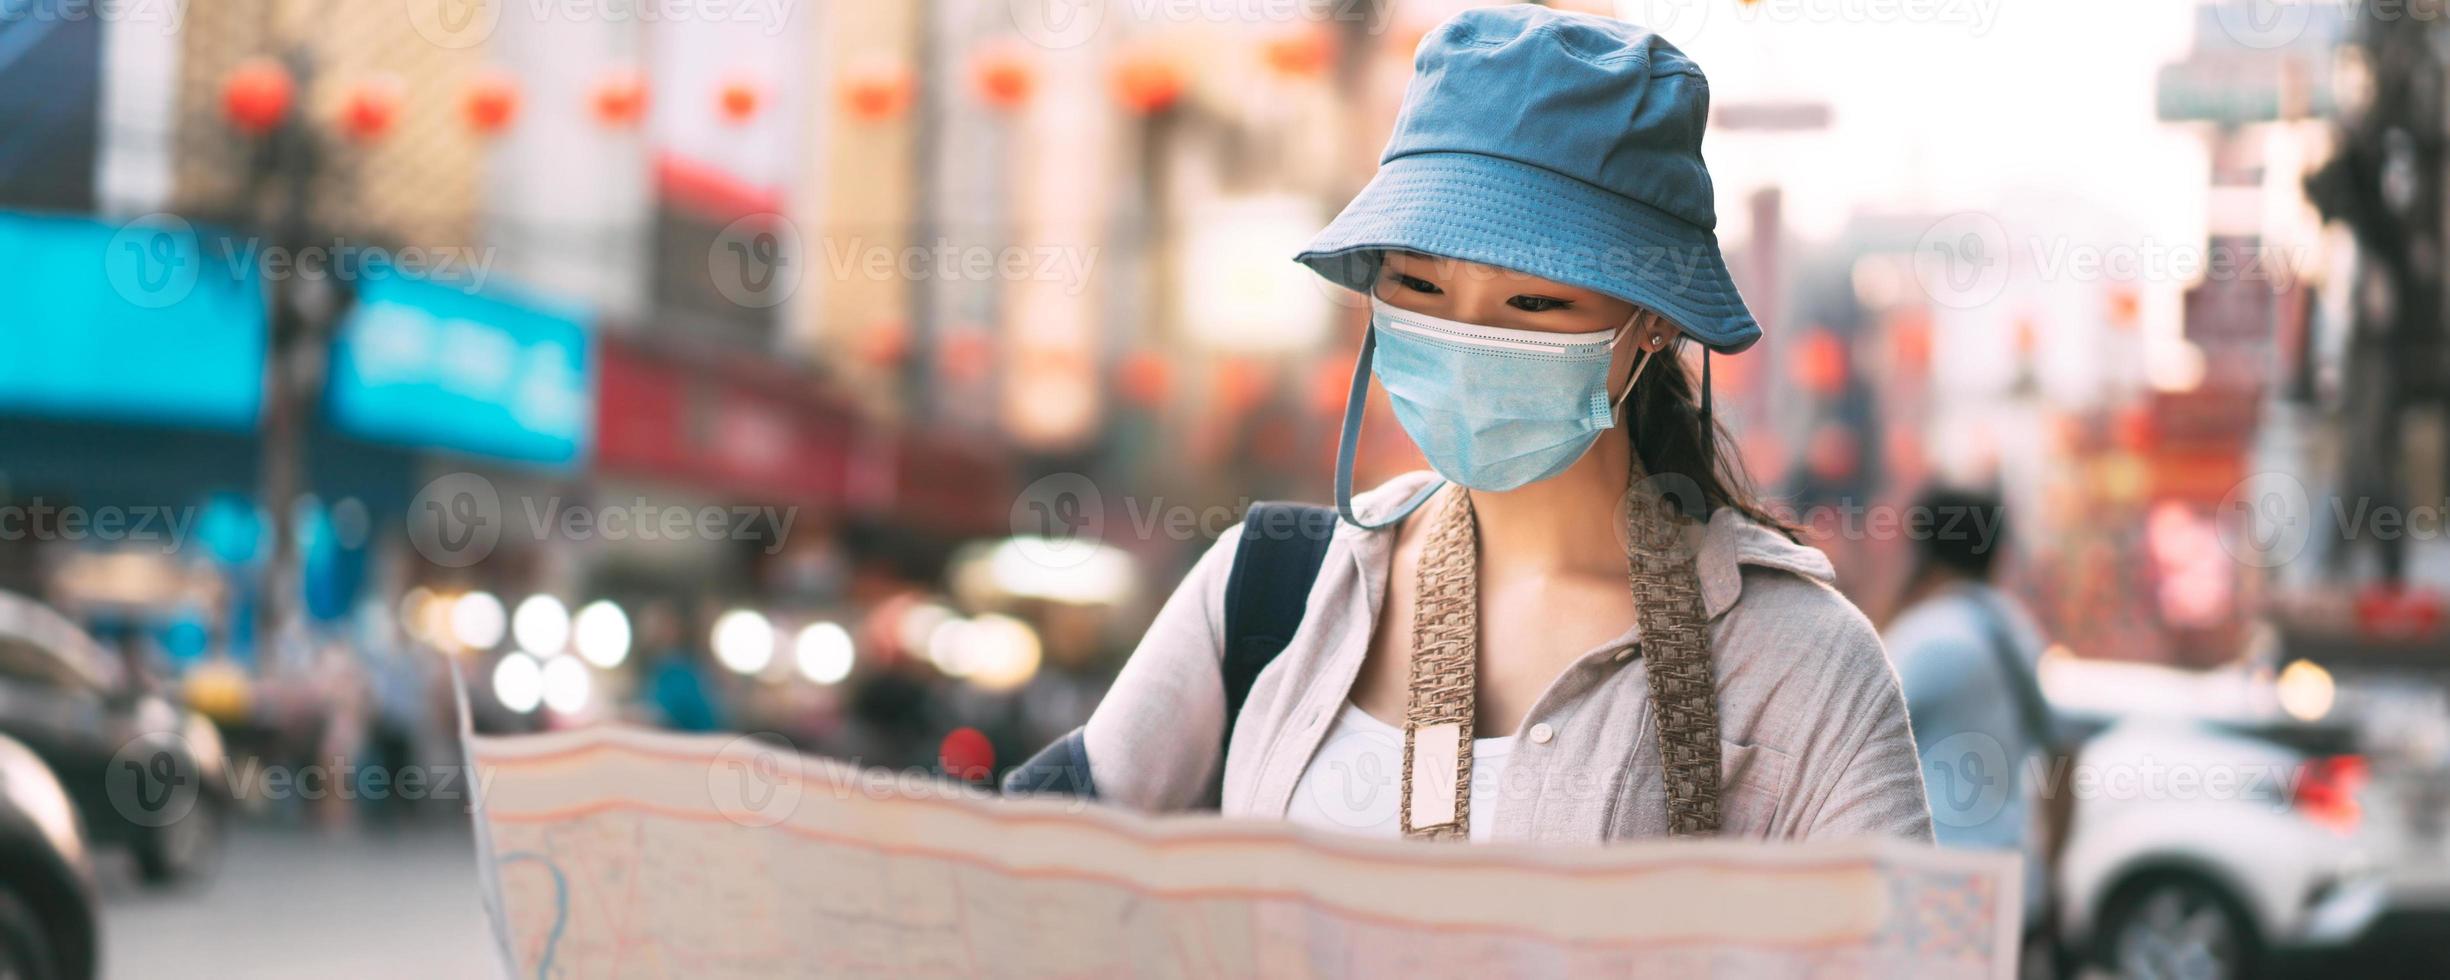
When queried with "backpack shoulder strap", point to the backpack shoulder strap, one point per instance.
{"points": [[1281, 550], [2032, 707]]}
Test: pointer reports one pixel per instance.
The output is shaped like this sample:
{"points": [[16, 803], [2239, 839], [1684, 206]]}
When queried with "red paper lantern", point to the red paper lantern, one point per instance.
{"points": [[2134, 430], [885, 342], [1820, 363], [1331, 384], [2126, 308], [965, 355], [1146, 82], [256, 95], [1910, 340], [371, 106], [876, 91], [1239, 385], [620, 98], [740, 99], [1299, 53], [1003, 75], [1143, 379], [491, 102]]}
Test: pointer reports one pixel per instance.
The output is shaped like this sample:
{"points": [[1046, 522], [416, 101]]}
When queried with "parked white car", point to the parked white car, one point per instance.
{"points": [[2200, 849]]}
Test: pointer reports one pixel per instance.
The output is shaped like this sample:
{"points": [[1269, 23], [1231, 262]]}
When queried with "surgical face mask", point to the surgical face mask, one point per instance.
{"points": [[1493, 409]]}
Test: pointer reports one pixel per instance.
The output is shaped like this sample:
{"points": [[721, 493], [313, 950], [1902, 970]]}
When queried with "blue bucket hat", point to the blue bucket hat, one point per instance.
{"points": [[1564, 145]]}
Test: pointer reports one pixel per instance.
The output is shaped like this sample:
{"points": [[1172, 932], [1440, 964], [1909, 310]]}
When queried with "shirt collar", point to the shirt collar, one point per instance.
{"points": [[1731, 541]]}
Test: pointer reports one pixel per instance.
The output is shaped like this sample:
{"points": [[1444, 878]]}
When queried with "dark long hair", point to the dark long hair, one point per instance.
{"points": [[1673, 439]]}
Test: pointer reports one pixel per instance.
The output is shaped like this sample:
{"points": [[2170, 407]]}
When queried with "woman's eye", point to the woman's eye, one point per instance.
{"points": [[1538, 304], [1414, 283]]}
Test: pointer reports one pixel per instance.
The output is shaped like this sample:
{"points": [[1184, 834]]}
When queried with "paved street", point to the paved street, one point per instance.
{"points": [[305, 903]]}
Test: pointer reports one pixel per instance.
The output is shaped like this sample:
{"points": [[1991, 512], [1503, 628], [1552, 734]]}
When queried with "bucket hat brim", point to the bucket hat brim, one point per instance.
{"points": [[1517, 216]]}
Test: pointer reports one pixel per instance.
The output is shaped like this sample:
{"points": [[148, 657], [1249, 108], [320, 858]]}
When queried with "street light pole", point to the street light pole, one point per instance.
{"points": [[282, 198]]}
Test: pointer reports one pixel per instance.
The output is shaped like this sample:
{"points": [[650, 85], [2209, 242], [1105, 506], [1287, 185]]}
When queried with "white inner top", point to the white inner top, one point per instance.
{"points": [[1354, 784]]}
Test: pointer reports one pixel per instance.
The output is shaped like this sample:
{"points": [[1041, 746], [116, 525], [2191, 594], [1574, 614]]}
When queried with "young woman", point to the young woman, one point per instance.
{"points": [[1582, 627]]}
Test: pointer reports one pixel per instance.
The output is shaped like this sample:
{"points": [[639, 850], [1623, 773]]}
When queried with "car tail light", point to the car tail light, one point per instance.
{"points": [[2327, 791]]}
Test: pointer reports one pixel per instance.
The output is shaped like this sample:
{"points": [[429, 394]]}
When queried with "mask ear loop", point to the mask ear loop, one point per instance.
{"points": [[1649, 354]]}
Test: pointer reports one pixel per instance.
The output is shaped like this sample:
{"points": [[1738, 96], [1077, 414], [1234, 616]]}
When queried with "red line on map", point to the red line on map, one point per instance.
{"points": [[1456, 857], [1240, 894]]}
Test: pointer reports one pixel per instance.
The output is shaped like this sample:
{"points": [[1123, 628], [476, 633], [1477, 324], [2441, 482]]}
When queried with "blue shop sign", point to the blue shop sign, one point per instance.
{"points": [[437, 367], [146, 320]]}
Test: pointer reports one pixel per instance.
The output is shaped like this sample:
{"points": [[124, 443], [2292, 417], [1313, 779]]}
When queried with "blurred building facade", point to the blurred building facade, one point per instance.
{"points": [[888, 265]]}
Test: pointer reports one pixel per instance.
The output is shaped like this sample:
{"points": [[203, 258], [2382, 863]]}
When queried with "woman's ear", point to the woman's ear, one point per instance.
{"points": [[1654, 333]]}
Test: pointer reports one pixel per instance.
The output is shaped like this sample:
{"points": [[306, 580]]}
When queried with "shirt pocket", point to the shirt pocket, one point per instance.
{"points": [[1752, 785]]}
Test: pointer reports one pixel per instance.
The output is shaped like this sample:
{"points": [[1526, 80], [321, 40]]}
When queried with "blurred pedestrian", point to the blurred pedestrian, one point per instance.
{"points": [[680, 686], [1967, 654]]}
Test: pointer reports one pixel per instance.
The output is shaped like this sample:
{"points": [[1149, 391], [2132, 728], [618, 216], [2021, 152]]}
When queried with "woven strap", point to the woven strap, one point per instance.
{"points": [[1676, 647], [1666, 589], [1445, 655]]}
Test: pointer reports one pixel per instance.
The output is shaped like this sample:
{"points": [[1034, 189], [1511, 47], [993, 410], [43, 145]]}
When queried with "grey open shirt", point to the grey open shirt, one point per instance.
{"points": [[1814, 740]]}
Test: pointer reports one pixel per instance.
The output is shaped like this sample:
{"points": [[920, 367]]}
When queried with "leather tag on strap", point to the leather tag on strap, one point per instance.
{"points": [[1436, 759]]}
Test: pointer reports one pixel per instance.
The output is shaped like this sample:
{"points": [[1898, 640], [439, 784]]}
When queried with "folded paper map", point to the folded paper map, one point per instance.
{"points": [[615, 852]]}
